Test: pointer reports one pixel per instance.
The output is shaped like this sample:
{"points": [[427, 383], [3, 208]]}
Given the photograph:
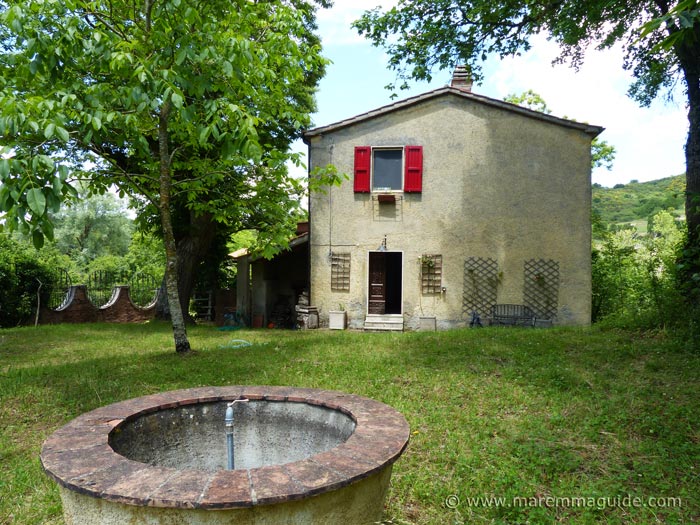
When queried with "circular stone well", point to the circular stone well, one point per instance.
{"points": [[301, 456]]}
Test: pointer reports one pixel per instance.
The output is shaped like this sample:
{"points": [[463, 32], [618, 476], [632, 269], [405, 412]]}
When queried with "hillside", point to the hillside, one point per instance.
{"points": [[636, 202]]}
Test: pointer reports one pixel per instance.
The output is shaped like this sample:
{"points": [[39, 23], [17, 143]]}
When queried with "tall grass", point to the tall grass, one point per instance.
{"points": [[494, 413]]}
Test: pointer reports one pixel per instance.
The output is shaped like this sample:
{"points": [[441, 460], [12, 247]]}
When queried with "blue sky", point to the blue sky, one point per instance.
{"points": [[649, 141]]}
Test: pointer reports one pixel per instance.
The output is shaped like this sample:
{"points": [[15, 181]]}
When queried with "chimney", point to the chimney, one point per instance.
{"points": [[461, 79]]}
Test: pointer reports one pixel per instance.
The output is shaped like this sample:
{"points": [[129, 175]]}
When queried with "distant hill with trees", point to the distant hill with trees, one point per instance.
{"points": [[636, 202]]}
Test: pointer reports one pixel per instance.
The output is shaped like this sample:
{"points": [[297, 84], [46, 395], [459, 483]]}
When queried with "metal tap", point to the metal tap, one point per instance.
{"points": [[229, 430]]}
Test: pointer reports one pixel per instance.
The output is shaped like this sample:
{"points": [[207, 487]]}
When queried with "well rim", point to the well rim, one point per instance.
{"points": [[79, 458]]}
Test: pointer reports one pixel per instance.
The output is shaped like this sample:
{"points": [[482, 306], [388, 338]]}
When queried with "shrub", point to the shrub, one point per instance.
{"points": [[626, 276], [21, 274], [636, 279]]}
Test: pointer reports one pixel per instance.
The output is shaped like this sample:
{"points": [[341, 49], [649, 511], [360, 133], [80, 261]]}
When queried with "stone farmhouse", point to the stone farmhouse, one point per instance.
{"points": [[455, 203]]}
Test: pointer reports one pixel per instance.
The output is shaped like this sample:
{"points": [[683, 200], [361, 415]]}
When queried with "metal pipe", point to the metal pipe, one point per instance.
{"points": [[229, 431]]}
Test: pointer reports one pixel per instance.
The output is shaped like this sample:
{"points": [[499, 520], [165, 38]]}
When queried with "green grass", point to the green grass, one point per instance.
{"points": [[641, 225], [577, 413]]}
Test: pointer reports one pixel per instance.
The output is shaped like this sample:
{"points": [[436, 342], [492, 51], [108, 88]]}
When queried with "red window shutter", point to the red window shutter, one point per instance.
{"points": [[363, 159], [413, 175]]}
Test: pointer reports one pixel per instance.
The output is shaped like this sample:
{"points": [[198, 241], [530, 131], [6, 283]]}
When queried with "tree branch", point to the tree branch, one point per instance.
{"points": [[108, 25], [147, 8]]}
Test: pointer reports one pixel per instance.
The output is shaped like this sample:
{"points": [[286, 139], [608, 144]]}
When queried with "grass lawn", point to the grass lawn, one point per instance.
{"points": [[596, 416]]}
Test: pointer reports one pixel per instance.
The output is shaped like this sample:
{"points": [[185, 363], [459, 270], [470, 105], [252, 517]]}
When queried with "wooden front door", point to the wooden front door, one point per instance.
{"points": [[377, 283]]}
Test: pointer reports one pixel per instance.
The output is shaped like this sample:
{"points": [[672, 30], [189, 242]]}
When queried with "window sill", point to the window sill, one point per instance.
{"points": [[385, 198]]}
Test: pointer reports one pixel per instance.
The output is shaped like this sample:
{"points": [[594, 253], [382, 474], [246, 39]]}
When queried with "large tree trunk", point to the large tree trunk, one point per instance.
{"points": [[692, 159], [690, 62], [692, 198], [182, 344], [192, 248]]}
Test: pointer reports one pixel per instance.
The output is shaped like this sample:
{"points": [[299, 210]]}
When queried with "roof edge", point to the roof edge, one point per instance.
{"points": [[589, 129]]}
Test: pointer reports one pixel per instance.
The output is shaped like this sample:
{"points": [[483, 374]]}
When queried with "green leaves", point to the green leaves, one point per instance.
{"points": [[36, 201], [529, 99], [49, 130], [4, 168], [681, 22], [52, 131], [177, 100], [62, 134], [82, 84], [602, 154], [37, 239]]}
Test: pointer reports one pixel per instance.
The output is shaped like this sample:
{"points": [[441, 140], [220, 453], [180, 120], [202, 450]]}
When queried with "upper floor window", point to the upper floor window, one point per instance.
{"points": [[388, 169]]}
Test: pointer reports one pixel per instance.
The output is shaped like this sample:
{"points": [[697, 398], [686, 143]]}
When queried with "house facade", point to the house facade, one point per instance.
{"points": [[455, 202]]}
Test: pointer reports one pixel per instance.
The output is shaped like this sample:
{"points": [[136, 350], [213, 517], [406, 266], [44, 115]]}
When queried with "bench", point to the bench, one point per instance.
{"points": [[512, 315]]}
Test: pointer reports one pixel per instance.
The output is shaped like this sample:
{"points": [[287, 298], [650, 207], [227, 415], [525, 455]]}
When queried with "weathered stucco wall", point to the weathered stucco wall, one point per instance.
{"points": [[496, 184]]}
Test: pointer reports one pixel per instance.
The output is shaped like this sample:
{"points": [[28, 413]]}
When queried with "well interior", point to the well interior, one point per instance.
{"points": [[303, 456], [265, 433]]}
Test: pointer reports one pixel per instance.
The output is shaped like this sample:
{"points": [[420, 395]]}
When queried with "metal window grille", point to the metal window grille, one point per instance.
{"points": [[431, 273], [340, 272]]}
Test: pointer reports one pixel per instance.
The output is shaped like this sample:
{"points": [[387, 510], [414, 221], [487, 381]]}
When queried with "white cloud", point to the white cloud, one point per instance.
{"points": [[649, 141], [335, 23]]}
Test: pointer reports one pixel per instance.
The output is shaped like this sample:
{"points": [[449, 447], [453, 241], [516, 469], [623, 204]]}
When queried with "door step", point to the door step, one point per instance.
{"points": [[384, 323]]}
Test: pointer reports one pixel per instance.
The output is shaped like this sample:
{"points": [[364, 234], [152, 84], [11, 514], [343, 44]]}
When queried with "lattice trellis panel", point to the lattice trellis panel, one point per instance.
{"points": [[431, 274], [340, 272], [480, 285], [541, 287]]}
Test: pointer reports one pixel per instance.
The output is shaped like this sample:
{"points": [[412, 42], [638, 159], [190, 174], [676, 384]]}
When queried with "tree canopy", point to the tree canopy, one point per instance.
{"points": [[92, 227], [661, 39], [177, 103]]}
